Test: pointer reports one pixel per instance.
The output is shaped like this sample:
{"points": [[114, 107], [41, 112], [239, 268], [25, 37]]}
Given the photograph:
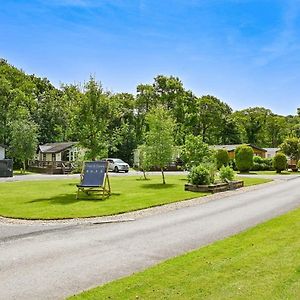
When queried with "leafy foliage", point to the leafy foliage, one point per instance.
{"points": [[199, 175], [222, 158], [226, 173], [279, 162], [291, 148], [24, 140], [159, 139], [195, 151], [116, 123], [244, 158]]}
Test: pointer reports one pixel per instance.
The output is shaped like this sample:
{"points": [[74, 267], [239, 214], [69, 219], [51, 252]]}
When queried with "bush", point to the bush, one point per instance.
{"points": [[199, 175], [222, 158], [279, 162], [226, 173], [262, 164], [244, 158], [195, 152], [232, 164]]}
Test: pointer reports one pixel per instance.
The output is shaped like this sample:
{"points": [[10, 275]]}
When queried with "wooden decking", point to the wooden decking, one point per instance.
{"points": [[51, 167]]}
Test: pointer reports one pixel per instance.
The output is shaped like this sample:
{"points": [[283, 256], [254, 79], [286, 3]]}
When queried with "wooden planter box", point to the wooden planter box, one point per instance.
{"points": [[214, 188]]}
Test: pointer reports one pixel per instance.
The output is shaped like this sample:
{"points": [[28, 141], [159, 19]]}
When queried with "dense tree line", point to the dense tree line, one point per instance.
{"points": [[115, 124]]}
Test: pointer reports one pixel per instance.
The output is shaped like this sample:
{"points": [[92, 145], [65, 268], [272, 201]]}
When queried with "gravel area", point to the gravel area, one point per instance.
{"points": [[131, 216]]}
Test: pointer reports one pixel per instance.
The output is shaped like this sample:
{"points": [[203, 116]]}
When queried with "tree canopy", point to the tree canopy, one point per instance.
{"points": [[115, 124]]}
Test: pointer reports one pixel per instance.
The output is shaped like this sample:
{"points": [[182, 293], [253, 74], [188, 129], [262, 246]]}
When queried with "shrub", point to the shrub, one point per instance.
{"points": [[262, 164], [199, 175], [232, 164], [226, 173], [244, 158], [279, 162], [195, 152], [222, 158]]}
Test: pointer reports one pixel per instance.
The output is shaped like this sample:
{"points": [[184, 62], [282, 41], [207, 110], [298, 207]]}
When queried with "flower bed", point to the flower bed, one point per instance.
{"points": [[215, 188]]}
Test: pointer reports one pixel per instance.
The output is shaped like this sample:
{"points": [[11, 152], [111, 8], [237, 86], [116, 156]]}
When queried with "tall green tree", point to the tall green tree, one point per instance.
{"points": [[24, 140], [291, 148], [159, 138], [92, 120], [252, 122], [208, 118]]}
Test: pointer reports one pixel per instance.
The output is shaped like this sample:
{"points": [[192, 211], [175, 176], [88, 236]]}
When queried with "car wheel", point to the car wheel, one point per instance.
{"points": [[126, 171], [116, 169]]}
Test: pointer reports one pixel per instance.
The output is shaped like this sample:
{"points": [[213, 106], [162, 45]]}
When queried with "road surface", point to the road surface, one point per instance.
{"points": [[54, 262]]}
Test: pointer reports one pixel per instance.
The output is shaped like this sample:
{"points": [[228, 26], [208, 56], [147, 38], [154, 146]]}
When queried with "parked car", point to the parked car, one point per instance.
{"points": [[117, 165]]}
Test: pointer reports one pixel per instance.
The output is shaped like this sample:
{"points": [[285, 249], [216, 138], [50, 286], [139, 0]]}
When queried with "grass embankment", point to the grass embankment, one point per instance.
{"points": [[56, 198], [260, 263]]}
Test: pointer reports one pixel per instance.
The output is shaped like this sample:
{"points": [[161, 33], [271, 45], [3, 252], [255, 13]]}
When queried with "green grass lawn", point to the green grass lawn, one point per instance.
{"points": [[272, 173], [260, 263], [19, 172], [56, 199]]}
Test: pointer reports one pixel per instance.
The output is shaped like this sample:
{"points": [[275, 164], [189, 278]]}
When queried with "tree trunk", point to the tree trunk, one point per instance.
{"points": [[163, 175], [144, 173], [24, 166]]}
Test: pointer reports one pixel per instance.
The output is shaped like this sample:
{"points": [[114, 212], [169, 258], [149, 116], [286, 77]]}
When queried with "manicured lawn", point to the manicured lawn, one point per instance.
{"points": [[56, 198], [260, 263], [273, 173]]}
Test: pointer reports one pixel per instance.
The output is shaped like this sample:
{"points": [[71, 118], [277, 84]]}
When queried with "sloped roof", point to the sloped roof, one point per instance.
{"points": [[230, 148], [3, 146], [56, 147], [272, 149]]}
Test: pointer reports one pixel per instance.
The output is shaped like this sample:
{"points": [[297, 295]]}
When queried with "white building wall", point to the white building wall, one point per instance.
{"points": [[2, 153]]}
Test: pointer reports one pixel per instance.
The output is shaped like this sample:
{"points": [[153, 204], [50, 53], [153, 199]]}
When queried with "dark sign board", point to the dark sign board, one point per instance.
{"points": [[94, 173], [6, 168]]}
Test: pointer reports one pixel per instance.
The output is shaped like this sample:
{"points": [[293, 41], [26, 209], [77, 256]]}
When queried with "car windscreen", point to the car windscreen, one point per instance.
{"points": [[119, 161]]}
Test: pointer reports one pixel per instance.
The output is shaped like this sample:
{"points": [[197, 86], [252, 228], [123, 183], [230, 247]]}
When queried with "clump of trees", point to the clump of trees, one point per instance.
{"points": [[114, 124]]}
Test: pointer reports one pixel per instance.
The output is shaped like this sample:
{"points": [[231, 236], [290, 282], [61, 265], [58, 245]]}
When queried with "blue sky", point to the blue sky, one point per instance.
{"points": [[247, 53]]}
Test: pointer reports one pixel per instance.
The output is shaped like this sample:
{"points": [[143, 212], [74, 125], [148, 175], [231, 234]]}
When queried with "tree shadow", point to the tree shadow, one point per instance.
{"points": [[65, 199], [158, 186]]}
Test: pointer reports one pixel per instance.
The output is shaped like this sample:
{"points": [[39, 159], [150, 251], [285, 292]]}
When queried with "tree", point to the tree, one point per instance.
{"points": [[279, 162], [24, 141], [222, 158], [208, 118], [252, 122], [159, 139], [244, 158], [92, 120], [144, 163], [291, 148], [195, 151]]}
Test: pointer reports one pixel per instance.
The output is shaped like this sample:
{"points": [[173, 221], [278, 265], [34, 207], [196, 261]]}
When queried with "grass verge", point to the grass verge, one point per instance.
{"points": [[260, 263], [56, 199]]}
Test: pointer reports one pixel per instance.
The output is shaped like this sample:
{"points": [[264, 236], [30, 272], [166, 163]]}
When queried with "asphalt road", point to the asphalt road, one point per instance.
{"points": [[54, 262]]}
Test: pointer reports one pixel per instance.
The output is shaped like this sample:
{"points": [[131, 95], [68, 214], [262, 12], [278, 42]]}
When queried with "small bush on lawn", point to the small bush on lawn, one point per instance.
{"points": [[199, 175], [262, 164], [279, 162], [222, 158], [226, 173], [244, 158]]}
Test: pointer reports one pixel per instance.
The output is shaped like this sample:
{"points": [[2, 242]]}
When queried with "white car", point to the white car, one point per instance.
{"points": [[117, 165]]}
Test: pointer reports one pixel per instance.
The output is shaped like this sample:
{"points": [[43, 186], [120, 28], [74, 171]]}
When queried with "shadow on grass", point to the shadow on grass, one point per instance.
{"points": [[66, 199], [158, 186]]}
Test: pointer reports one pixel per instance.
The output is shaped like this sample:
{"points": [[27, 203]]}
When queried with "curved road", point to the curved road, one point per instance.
{"points": [[58, 261]]}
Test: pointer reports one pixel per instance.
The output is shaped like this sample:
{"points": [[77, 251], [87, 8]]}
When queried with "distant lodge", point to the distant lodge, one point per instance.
{"points": [[262, 152], [56, 158]]}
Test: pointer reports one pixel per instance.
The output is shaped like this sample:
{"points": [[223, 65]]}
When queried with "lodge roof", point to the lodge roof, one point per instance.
{"points": [[231, 148], [56, 147]]}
